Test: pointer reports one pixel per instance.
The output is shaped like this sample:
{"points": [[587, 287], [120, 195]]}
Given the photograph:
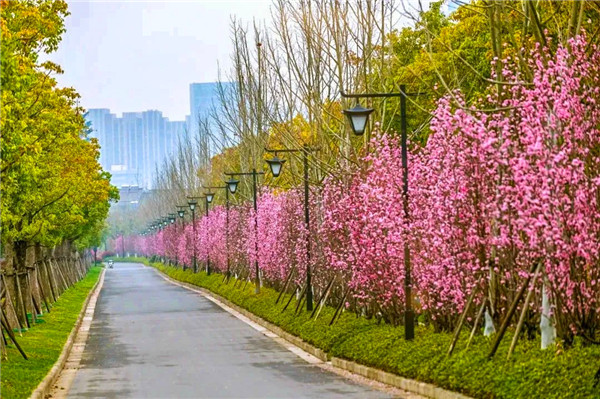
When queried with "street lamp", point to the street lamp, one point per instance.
{"points": [[232, 184], [227, 190], [192, 202], [208, 197], [358, 117], [171, 218], [276, 164], [181, 213]]}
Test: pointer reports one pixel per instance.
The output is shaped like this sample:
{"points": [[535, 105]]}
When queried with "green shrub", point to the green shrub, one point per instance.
{"points": [[43, 343], [531, 372]]}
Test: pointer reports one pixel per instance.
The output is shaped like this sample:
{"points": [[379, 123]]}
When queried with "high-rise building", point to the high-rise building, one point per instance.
{"points": [[205, 102], [134, 145]]}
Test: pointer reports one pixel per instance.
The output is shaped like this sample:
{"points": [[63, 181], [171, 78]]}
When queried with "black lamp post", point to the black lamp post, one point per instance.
{"points": [[181, 213], [358, 117], [227, 190], [276, 165], [192, 202], [123, 244], [208, 199], [232, 185]]}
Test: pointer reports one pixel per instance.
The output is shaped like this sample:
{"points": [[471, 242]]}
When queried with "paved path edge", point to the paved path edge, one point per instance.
{"points": [[417, 387], [44, 387]]}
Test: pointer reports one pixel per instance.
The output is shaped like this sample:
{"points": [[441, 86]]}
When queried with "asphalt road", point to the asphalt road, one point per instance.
{"points": [[152, 339]]}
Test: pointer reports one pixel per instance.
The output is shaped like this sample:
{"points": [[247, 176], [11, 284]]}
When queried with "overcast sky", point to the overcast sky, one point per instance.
{"points": [[134, 56]]}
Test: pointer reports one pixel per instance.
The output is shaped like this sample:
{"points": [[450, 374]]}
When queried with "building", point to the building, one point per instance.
{"points": [[205, 103], [133, 146]]}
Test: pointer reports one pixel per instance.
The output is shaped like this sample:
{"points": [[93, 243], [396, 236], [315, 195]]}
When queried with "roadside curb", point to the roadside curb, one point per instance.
{"points": [[412, 386], [45, 386], [418, 387]]}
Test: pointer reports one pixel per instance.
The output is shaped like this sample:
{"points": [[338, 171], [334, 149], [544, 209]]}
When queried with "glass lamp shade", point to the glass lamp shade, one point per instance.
{"points": [[232, 184], [181, 213], [275, 165], [358, 117], [209, 197], [192, 204]]}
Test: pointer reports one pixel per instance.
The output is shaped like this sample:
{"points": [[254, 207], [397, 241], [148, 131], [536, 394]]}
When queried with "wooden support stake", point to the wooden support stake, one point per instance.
{"points": [[285, 285], [461, 321], [11, 335], [513, 344], [337, 310], [326, 292], [10, 302], [42, 289], [509, 315], [474, 329], [290, 300], [299, 303], [323, 302], [21, 301], [34, 310], [61, 276], [51, 282]]}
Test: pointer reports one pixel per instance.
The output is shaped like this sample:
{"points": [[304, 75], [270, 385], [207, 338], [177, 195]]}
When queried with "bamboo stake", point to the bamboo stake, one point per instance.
{"points": [[513, 344]]}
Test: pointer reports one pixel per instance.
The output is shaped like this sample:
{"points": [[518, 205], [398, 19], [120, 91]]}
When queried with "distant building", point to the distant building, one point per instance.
{"points": [[134, 145], [204, 103]]}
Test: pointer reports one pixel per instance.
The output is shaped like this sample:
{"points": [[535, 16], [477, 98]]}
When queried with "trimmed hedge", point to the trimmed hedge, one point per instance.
{"points": [[531, 372], [44, 342]]}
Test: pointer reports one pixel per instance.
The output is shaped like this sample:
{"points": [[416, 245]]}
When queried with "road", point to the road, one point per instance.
{"points": [[152, 339]]}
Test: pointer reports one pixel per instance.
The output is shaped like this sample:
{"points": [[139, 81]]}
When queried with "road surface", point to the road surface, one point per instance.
{"points": [[152, 339]]}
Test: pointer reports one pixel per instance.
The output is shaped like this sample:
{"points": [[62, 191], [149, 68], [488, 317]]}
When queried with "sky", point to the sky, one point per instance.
{"points": [[133, 56]]}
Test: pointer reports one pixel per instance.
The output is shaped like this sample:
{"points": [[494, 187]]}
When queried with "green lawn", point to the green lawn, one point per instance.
{"points": [[44, 342], [531, 372]]}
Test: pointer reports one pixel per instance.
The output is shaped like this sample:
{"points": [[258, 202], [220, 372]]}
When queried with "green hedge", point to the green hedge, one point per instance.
{"points": [[531, 372], [44, 342]]}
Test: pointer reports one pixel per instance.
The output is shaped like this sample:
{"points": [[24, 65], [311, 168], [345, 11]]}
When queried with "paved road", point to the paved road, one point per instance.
{"points": [[152, 339]]}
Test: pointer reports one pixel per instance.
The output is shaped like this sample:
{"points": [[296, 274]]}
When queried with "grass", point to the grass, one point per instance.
{"points": [[531, 372], [44, 342]]}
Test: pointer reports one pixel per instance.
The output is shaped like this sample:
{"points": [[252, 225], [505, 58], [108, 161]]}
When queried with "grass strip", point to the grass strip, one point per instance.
{"points": [[44, 342], [531, 372]]}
